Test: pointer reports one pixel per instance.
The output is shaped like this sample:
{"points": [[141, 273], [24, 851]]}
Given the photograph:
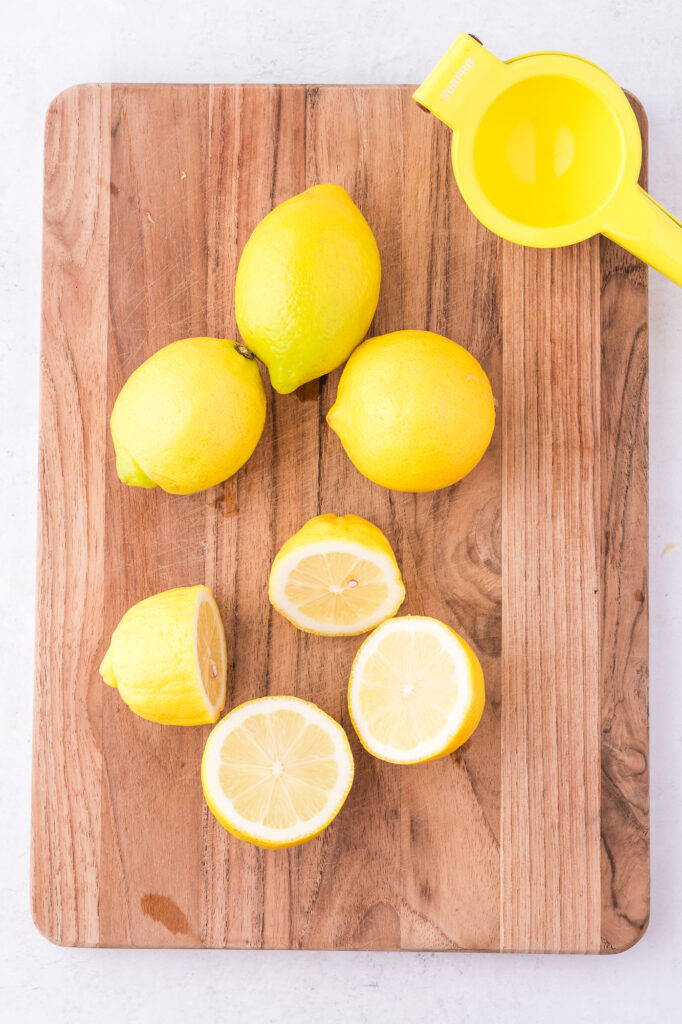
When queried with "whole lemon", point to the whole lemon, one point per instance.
{"points": [[188, 417], [414, 411], [307, 285]]}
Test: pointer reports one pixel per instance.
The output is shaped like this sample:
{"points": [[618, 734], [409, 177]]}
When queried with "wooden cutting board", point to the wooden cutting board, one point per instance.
{"points": [[534, 836]]}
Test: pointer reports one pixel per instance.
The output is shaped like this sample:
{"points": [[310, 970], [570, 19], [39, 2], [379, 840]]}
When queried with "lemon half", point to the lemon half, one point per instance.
{"points": [[168, 660], [416, 690], [276, 771], [337, 576]]}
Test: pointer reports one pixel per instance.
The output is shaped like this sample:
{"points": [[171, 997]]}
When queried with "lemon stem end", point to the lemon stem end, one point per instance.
{"points": [[106, 671], [129, 472]]}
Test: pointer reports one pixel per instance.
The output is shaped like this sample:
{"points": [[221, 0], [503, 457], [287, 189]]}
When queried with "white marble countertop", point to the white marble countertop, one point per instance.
{"points": [[47, 46]]}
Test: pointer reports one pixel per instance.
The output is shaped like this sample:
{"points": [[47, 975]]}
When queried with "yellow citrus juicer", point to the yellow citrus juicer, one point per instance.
{"points": [[546, 151]]}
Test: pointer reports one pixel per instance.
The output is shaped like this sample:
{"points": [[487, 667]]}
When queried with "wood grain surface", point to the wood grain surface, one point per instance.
{"points": [[533, 836]]}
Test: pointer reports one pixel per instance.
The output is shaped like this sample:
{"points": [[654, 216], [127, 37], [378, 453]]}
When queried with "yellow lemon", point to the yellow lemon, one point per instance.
{"points": [[416, 690], [167, 658], [307, 285], [414, 411], [189, 416], [276, 771], [337, 576]]}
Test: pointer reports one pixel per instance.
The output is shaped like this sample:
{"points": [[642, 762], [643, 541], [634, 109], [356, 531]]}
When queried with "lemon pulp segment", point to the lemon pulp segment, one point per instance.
{"points": [[416, 690], [211, 652], [337, 576], [276, 771]]}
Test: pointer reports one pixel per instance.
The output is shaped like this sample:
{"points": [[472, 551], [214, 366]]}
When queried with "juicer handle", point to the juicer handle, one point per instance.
{"points": [[641, 225], [461, 83]]}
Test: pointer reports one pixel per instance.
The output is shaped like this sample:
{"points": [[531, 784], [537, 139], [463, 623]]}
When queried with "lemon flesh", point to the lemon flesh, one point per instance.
{"points": [[276, 771], [414, 411], [337, 576], [168, 660], [189, 417], [416, 690], [307, 285]]}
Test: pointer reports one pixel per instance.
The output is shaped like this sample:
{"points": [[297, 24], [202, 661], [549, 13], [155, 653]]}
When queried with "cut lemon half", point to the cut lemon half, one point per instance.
{"points": [[167, 658], [416, 690], [337, 576], [276, 771]]}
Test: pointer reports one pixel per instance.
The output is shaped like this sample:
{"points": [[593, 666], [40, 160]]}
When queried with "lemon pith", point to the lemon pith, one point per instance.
{"points": [[336, 576], [276, 771], [414, 411], [168, 658], [307, 285], [189, 417], [416, 690]]}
